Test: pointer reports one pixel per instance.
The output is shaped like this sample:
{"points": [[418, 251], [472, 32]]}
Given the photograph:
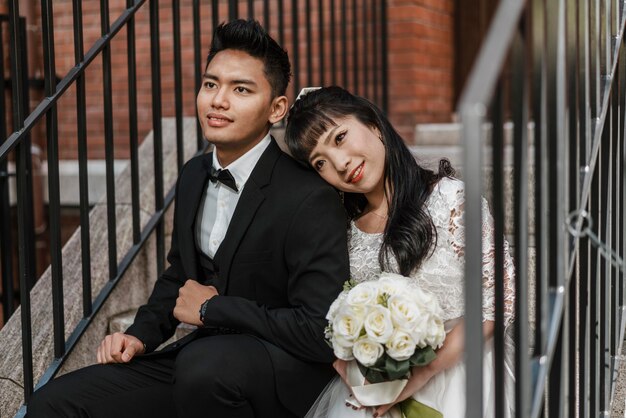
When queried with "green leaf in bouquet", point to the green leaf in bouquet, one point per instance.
{"points": [[348, 284], [422, 356], [397, 369], [372, 374], [383, 299]]}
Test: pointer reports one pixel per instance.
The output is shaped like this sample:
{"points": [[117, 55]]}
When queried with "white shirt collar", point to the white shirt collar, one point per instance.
{"points": [[242, 167]]}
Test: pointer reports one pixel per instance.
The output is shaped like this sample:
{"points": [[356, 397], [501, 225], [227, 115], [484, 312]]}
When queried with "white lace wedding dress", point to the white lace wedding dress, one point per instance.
{"points": [[442, 274]]}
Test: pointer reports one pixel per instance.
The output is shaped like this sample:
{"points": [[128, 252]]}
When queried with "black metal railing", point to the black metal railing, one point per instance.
{"points": [[325, 60], [557, 71]]}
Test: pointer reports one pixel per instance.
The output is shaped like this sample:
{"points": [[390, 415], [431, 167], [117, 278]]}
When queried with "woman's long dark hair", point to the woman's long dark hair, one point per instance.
{"points": [[409, 232]]}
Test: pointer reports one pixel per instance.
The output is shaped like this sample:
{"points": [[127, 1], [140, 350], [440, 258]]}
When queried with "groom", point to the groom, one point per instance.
{"points": [[258, 254]]}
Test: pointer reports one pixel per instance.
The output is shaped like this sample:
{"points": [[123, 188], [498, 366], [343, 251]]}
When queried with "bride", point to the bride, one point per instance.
{"points": [[404, 219]]}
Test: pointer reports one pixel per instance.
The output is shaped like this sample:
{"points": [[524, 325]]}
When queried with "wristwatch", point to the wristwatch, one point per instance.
{"points": [[203, 310]]}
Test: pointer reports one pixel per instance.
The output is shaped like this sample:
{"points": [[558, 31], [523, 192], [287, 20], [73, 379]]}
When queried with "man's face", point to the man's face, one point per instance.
{"points": [[235, 105]]}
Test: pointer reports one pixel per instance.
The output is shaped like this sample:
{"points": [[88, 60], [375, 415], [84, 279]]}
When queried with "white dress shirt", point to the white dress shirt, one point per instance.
{"points": [[220, 201]]}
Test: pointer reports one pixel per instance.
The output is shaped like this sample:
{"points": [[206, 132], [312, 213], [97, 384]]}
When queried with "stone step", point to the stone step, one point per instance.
{"points": [[450, 133]]}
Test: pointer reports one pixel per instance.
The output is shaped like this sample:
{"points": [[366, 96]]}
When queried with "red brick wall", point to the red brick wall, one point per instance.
{"points": [[420, 54], [421, 63]]}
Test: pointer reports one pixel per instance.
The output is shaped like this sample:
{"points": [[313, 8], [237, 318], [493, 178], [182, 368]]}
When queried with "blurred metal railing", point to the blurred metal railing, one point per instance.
{"points": [[367, 42], [557, 70]]}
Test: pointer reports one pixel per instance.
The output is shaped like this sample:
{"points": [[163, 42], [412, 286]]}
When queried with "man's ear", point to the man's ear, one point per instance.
{"points": [[278, 109]]}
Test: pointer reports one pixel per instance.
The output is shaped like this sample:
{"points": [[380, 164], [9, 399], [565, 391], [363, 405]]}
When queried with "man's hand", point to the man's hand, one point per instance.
{"points": [[190, 297], [119, 348]]}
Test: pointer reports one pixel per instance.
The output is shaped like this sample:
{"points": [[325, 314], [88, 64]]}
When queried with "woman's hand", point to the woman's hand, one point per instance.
{"points": [[419, 377], [341, 366]]}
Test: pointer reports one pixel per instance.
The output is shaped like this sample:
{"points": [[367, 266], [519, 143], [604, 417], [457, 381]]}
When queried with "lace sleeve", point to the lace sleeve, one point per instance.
{"points": [[457, 233]]}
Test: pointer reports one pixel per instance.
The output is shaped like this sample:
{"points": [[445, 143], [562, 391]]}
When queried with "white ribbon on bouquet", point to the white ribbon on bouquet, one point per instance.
{"points": [[374, 394]]}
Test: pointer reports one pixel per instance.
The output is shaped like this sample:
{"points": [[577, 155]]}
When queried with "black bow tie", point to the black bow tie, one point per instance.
{"points": [[224, 177]]}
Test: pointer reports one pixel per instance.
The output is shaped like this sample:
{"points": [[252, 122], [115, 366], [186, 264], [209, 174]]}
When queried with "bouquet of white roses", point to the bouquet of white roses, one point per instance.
{"points": [[387, 326]]}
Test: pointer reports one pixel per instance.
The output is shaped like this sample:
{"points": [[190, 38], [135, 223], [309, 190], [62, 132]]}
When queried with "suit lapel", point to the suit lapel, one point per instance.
{"points": [[251, 198], [192, 189]]}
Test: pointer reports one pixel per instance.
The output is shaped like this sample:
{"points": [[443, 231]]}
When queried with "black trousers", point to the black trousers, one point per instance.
{"points": [[212, 377]]}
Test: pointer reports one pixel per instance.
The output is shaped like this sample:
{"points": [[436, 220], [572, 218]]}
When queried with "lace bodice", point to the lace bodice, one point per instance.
{"points": [[442, 273]]}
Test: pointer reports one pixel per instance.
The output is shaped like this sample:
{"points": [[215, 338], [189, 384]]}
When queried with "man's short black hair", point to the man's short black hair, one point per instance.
{"points": [[250, 37]]}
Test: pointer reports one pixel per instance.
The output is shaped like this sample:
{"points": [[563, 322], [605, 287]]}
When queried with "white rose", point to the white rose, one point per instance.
{"points": [[391, 283], [378, 324], [405, 313], [364, 294], [347, 325], [434, 334], [343, 353], [334, 307], [367, 352], [400, 346], [427, 302]]}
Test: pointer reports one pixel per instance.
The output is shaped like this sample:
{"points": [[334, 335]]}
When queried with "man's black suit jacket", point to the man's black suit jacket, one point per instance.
{"points": [[282, 262]]}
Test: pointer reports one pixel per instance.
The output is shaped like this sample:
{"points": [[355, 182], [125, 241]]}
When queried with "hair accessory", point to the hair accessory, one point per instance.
{"points": [[304, 92]]}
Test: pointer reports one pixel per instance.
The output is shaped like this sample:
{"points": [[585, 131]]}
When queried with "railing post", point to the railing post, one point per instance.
{"points": [[157, 131], [24, 198], [53, 181]]}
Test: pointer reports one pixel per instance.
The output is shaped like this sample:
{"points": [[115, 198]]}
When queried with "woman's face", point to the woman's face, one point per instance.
{"points": [[351, 157]]}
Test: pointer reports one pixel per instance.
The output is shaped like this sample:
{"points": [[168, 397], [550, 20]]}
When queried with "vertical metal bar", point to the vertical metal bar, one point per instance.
{"points": [[472, 118], [539, 109], [233, 12], [6, 235], [585, 136], [198, 67], [611, 235], [619, 177], [178, 84], [594, 61], [557, 186], [309, 44], [295, 57], [573, 57], [584, 333], [365, 22], [603, 227], [344, 44], [215, 14], [605, 40], [497, 140], [384, 57], [281, 24], [376, 59], [133, 123], [321, 40], [54, 203], [594, 303], [83, 181], [250, 9], [24, 221], [30, 243], [520, 106], [155, 64], [266, 15], [108, 141], [333, 41], [355, 48]]}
